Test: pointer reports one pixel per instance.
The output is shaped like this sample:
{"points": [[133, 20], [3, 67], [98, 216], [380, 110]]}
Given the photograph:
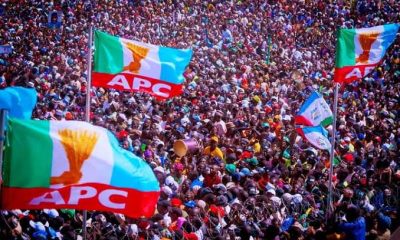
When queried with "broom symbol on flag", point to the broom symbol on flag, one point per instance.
{"points": [[78, 146], [138, 53]]}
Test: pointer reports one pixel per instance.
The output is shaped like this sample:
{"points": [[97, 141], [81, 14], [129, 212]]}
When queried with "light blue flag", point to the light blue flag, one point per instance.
{"points": [[19, 101], [317, 136], [315, 111]]}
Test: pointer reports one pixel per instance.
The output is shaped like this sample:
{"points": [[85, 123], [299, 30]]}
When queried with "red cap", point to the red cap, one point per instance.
{"points": [[176, 202], [348, 157], [190, 236], [217, 210], [122, 134]]}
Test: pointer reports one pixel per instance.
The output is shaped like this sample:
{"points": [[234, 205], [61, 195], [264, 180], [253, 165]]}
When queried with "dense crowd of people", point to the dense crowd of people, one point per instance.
{"points": [[250, 175]]}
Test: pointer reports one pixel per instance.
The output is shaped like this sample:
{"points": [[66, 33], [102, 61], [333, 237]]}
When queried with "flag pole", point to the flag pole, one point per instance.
{"points": [[332, 153], [89, 75], [87, 109], [3, 113]]}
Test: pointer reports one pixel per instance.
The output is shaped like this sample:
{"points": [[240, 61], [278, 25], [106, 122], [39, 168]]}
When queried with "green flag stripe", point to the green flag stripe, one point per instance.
{"points": [[327, 121], [108, 56], [345, 48], [28, 156]]}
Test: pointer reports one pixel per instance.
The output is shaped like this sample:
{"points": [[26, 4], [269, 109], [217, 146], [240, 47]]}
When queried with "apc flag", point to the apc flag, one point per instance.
{"points": [[359, 51], [73, 164], [125, 64], [317, 136], [315, 111], [19, 101]]}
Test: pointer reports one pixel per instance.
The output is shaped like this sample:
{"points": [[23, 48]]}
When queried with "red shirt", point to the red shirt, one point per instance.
{"points": [[210, 180]]}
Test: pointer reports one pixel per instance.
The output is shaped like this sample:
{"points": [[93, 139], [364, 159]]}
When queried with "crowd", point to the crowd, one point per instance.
{"points": [[254, 64]]}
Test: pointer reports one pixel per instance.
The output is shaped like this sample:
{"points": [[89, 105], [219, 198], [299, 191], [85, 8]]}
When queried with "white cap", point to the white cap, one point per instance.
{"points": [[133, 229], [297, 198], [272, 191], [269, 186], [38, 226], [286, 118], [169, 181], [51, 212], [167, 190], [159, 169]]}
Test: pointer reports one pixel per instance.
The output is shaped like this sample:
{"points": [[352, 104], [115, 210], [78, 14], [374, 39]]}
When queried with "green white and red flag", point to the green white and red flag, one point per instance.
{"points": [[359, 51], [73, 164], [129, 65]]}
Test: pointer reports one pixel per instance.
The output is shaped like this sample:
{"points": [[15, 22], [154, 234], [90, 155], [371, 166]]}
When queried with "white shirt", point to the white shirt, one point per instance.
{"points": [[220, 128]]}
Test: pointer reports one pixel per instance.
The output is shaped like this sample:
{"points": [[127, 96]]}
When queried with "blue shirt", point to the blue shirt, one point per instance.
{"points": [[227, 35], [354, 230]]}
